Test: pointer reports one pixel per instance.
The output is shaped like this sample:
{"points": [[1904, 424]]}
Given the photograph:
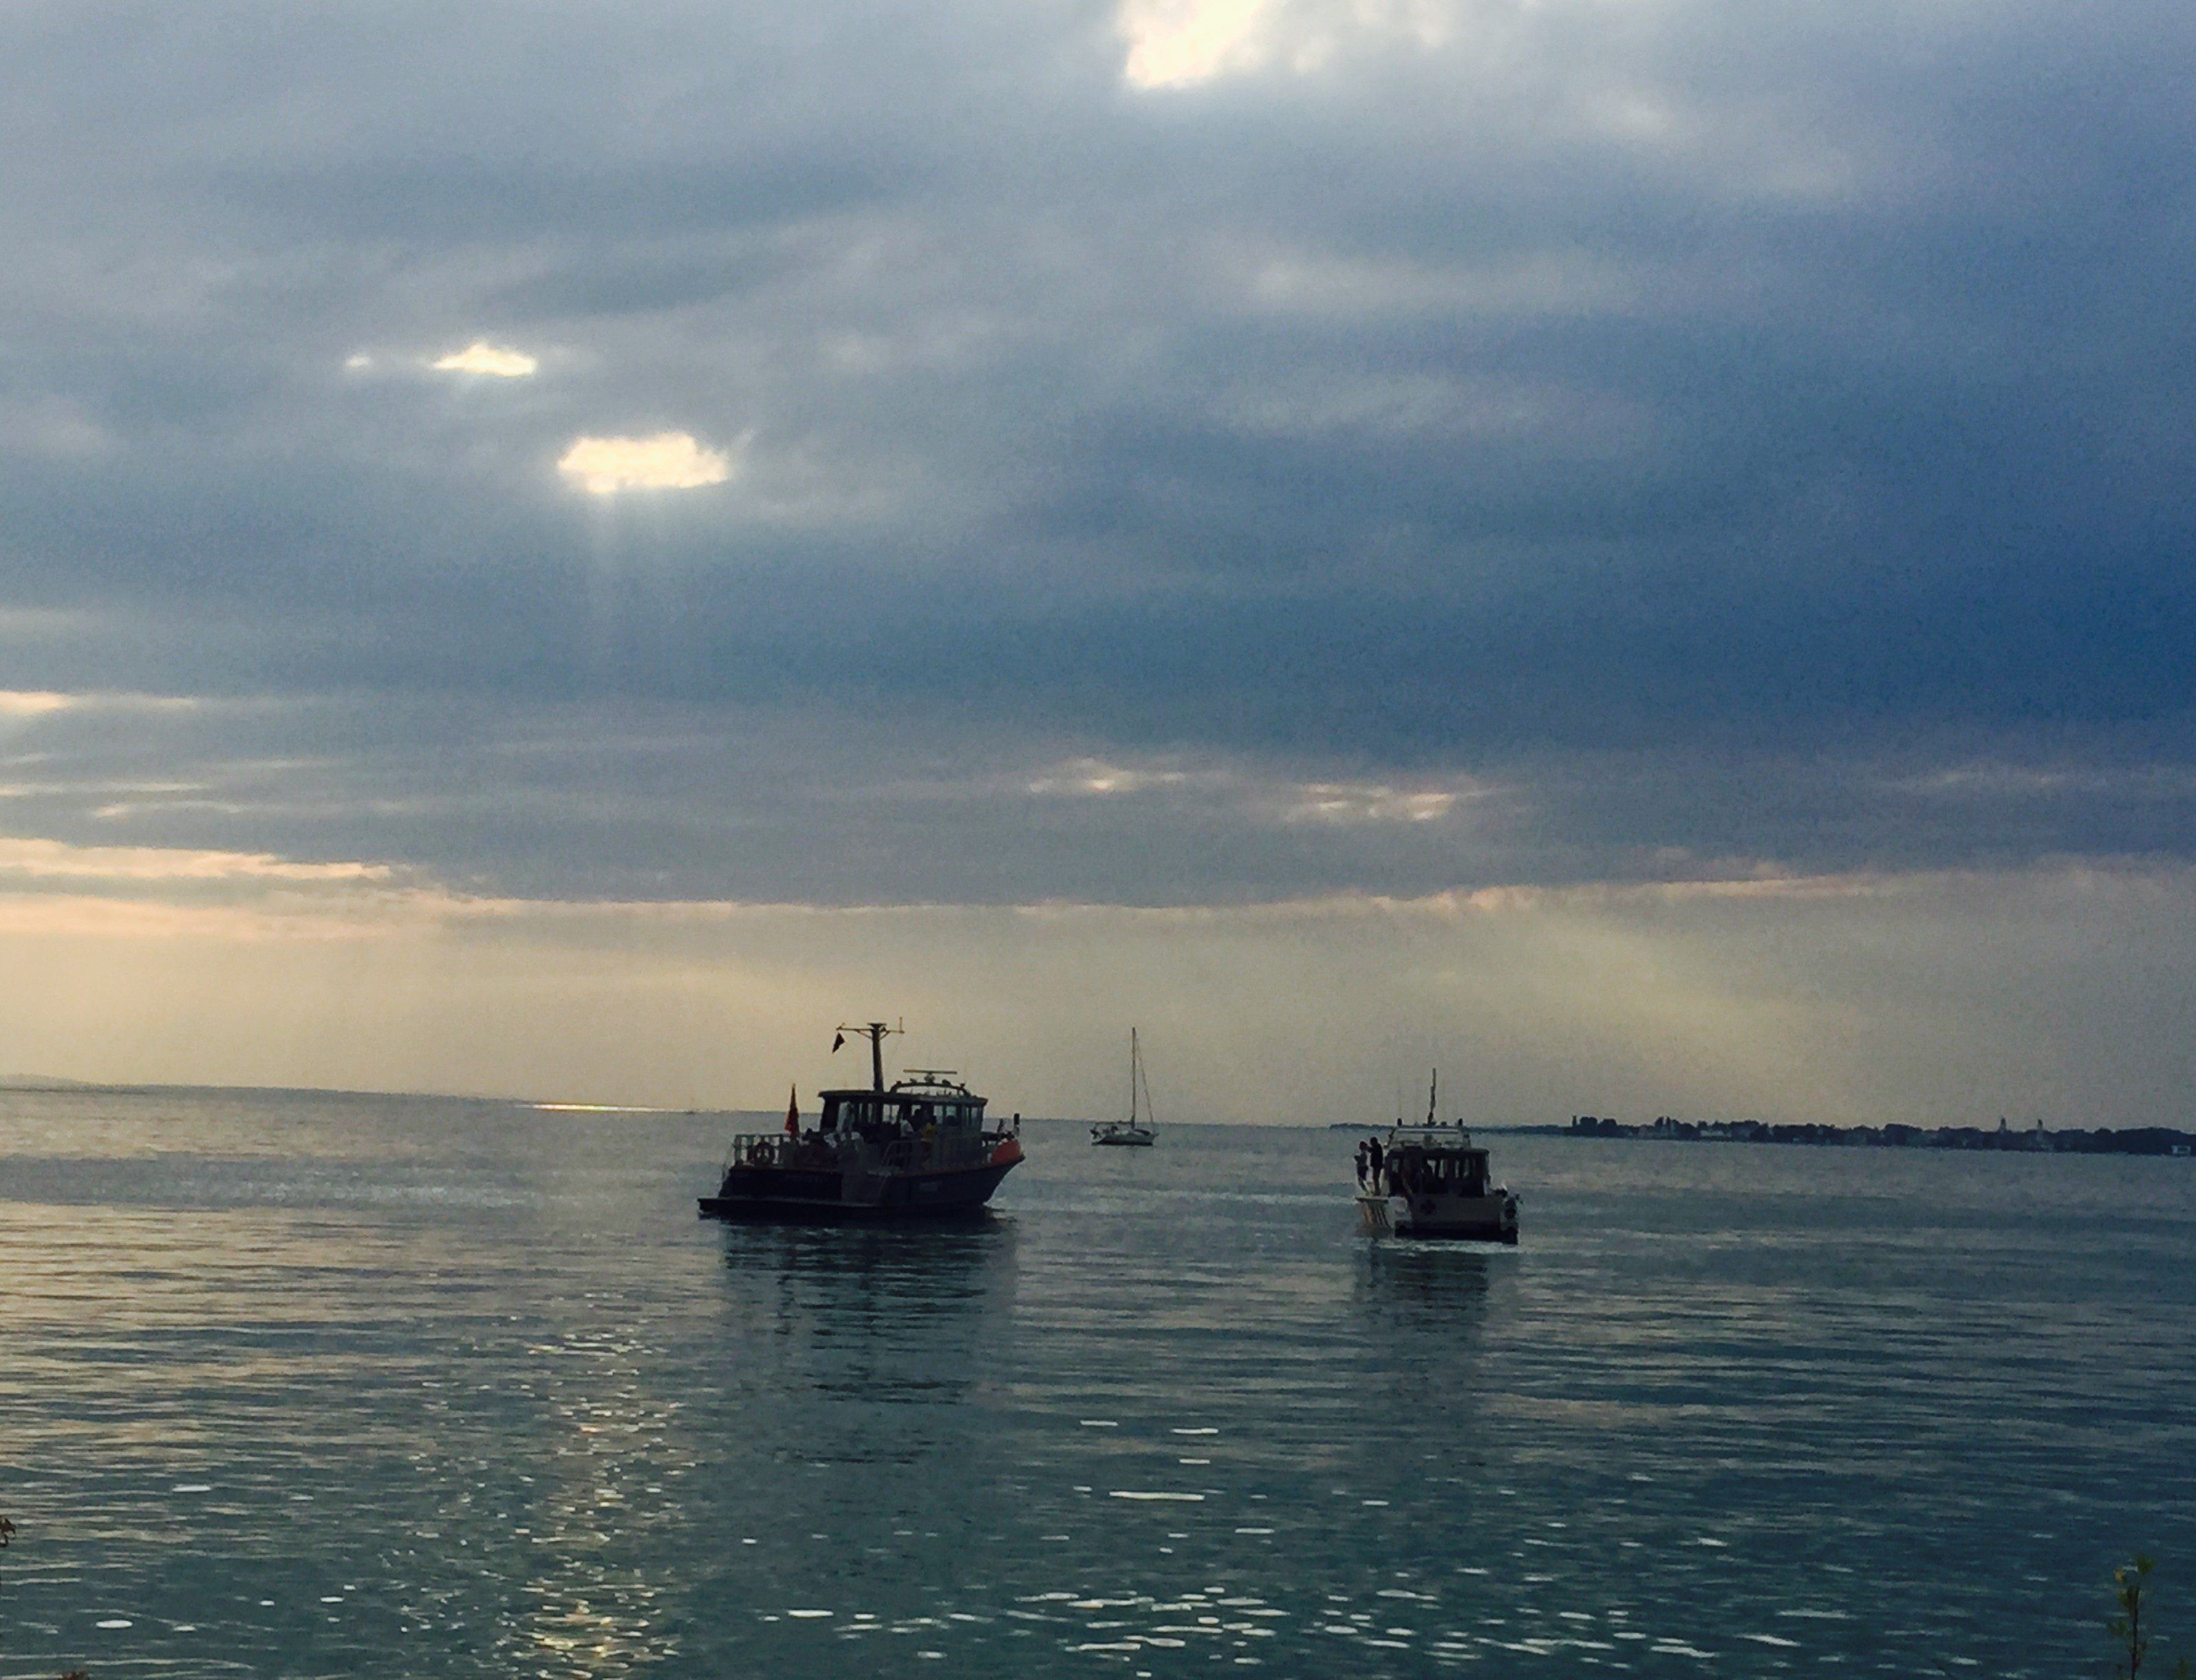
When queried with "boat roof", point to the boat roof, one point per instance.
{"points": [[930, 1087], [1451, 1136]]}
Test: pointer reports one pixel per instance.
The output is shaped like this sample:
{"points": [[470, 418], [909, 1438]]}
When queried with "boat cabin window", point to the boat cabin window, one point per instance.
{"points": [[1438, 1169], [849, 1113], [897, 1115]]}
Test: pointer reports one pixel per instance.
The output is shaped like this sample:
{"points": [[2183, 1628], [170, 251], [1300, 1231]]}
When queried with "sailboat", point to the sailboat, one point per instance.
{"points": [[1131, 1133]]}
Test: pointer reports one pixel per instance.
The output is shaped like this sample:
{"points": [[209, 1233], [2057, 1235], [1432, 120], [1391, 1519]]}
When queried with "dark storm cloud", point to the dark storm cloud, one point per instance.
{"points": [[1737, 433]]}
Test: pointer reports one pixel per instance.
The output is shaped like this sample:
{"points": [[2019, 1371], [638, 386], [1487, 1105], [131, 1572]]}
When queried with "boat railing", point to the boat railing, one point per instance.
{"points": [[826, 1151], [810, 1151]]}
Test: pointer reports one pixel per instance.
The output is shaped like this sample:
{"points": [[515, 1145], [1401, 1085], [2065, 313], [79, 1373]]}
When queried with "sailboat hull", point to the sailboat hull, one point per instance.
{"points": [[1110, 1138]]}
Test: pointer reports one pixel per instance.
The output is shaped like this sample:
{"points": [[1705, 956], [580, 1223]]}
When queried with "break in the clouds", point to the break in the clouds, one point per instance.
{"points": [[28, 704], [494, 361], [1179, 43], [1182, 456], [669, 460]]}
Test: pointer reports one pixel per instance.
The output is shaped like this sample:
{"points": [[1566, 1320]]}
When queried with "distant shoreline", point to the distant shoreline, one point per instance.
{"points": [[2003, 1138], [2147, 1140]]}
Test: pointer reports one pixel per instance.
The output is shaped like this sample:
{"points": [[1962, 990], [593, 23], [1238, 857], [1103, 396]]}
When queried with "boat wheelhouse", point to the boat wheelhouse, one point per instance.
{"points": [[919, 1148], [1430, 1179]]}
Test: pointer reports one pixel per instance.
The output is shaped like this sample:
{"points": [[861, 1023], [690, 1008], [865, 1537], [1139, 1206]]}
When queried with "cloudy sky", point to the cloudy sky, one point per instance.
{"points": [[1639, 549]]}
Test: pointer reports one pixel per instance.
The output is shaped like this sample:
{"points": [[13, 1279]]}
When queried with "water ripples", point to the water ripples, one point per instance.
{"points": [[386, 1387]]}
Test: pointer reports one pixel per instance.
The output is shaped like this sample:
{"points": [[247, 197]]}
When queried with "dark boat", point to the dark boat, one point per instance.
{"points": [[920, 1149]]}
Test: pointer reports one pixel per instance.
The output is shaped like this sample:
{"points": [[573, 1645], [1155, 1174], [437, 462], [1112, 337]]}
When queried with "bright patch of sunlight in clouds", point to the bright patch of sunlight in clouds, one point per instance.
{"points": [[33, 702], [1352, 802], [23, 704], [1176, 44], [33, 858], [493, 359], [1264, 798], [670, 460], [1096, 777]]}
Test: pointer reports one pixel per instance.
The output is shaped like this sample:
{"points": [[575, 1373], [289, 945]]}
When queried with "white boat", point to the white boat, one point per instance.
{"points": [[1430, 1179], [1131, 1133]]}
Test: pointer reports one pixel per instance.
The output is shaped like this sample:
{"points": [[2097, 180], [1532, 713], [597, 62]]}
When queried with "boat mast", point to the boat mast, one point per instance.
{"points": [[1433, 1095], [1132, 1075], [877, 1032]]}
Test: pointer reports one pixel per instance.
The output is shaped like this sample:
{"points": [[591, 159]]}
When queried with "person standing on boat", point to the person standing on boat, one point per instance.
{"points": [[1373, 1154]]}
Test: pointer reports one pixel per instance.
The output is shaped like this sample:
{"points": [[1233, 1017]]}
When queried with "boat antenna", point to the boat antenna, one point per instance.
{"points": [[877, 1032], [1433, 1093]]}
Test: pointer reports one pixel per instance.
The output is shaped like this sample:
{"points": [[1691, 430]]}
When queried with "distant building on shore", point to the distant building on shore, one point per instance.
{"points": [[2035, 1140]]}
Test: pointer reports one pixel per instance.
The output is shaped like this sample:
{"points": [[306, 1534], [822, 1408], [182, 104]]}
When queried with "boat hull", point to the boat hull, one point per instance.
{"points": [[1476, 1219], [776, 1194]]}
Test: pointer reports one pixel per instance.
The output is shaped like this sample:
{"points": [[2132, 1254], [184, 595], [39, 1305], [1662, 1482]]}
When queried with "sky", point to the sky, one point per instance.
{"points": [[1637, 550]]}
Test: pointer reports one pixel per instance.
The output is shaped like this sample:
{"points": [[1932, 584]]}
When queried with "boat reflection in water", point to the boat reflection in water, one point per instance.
{"points": [[920, 1149], [875, 1316]]}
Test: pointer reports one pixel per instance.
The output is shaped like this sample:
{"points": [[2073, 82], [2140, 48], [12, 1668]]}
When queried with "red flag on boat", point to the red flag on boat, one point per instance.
{"points": [[793, 1112]]}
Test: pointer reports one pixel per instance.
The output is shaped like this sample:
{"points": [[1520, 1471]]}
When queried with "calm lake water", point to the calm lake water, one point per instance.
{"points": [[301, 1385]]}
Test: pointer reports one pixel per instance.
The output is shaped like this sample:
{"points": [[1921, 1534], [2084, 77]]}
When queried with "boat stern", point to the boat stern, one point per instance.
{"points": [[1374, 1214]]}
